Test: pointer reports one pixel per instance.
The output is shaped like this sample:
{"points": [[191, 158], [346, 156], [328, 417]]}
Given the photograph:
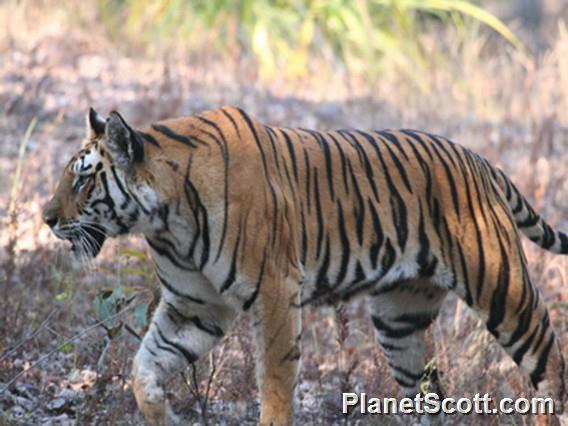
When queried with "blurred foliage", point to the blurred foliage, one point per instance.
{"points": [[361, 35], [110, 303]]}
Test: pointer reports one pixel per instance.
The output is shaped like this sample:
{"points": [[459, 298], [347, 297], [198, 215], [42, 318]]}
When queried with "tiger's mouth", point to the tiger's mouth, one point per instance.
{"points": [[87, 241]]}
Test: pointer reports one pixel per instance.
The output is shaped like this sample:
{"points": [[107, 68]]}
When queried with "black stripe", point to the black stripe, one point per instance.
{"points": [[522, 350], [441, 143], [499, 298], [390, 332], [188, 355], [359, 208], [563, 243], [233, 269], [359, 273], [148, 138], [253, 297], [178, 293], [418, 320], [201, 220], [537, 374], [127, 197], [400, 218], [395, 140], [402, 171], [225, 152], [319, 214], [397, 202], [389, 347], [424, 243], [345, 247], [271, 136], [409, 374], [307, 170], [545, 323], [549, 236], [162, 347], [378, 236], [414, 136], [166, 131], [265, 168], [230, 117], [291, 152], [328, 166], [473, 217], [209, 328], [403, 383], [322, 272], [465, 270], [212, 329], [142, 207], [343, 161], [388, 257], [328, 161], [529, 222], [451, 181], [363, 158], [304, 238]]}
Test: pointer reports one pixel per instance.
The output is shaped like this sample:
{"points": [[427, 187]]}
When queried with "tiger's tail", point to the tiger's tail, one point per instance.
{"points": [[529, 222]]}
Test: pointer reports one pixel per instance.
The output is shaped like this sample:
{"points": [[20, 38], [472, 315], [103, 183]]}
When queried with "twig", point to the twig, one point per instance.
{"points": [[101, 360], [212, 373], [60, 347], [133, 332], [193, 385], [20, 163], [31, 336]]}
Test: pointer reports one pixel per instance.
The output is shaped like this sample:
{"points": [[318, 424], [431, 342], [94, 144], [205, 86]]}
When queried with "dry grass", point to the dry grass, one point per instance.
{"points": [[512, 110]]}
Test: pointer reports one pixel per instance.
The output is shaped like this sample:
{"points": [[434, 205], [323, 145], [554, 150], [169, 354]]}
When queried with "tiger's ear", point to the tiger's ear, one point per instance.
{"points": [[123, 144], [95, 125]]}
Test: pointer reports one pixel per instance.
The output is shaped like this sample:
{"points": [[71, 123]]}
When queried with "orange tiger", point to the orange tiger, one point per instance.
{"points": [[240, 216]]}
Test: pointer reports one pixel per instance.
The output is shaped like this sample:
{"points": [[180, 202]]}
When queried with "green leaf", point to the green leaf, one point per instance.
{"points": [[134, 271], [107, 305], [62, 297], [66, 347], [133, 253], [140, 314]]}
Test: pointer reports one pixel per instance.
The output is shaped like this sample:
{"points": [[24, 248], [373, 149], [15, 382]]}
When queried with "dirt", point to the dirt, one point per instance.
{"points": [[59, 366]]}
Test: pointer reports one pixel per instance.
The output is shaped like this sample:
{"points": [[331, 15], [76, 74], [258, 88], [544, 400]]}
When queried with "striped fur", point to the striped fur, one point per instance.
{"points": [[240, 216]]}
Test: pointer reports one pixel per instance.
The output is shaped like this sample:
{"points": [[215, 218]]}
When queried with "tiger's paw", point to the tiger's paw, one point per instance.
{"points": [[151, 399]]}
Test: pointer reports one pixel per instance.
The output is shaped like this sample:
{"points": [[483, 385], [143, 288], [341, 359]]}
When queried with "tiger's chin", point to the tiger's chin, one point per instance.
{"points": [[85, 249], [82, 254]]}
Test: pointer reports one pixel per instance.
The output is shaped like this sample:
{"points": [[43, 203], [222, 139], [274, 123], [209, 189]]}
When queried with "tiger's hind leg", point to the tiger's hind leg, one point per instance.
{"points": [[516, 316], [181, 332], [277, 329], [402, 314]]}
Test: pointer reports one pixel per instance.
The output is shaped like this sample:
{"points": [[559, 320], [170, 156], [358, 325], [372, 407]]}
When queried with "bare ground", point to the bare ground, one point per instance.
{"points": [[63, 367]]}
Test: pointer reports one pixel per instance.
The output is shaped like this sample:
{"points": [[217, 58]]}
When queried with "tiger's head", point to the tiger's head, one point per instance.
{"points": [[94, 197]]}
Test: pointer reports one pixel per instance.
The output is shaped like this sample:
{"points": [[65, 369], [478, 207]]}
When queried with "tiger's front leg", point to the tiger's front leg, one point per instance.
{"points": [[182, 330], [277, 327]]}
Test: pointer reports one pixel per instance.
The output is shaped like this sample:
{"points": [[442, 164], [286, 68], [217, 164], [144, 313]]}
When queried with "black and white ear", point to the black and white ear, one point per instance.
{"points": [[123, 143], [95, 125]]}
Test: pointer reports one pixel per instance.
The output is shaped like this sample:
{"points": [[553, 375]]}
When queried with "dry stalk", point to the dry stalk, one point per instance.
{"points": [[347, 363], [194, 387]]}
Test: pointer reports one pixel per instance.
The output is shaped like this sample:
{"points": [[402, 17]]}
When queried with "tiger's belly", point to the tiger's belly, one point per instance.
{"points": [[341, 280]]}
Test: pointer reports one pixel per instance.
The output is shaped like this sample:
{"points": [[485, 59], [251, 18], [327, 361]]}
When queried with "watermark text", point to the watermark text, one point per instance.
{"points": [[431, 403]]}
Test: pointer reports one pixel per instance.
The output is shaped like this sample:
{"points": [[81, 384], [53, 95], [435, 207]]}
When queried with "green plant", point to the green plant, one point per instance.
{"points": [[110, 302], [364, 35]]}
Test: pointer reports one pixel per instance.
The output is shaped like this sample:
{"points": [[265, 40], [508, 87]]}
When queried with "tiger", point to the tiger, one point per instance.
{"points": [[242, 217]]}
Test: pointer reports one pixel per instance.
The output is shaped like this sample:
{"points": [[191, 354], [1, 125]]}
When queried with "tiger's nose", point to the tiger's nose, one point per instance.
{"points": [[49, 218]]}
